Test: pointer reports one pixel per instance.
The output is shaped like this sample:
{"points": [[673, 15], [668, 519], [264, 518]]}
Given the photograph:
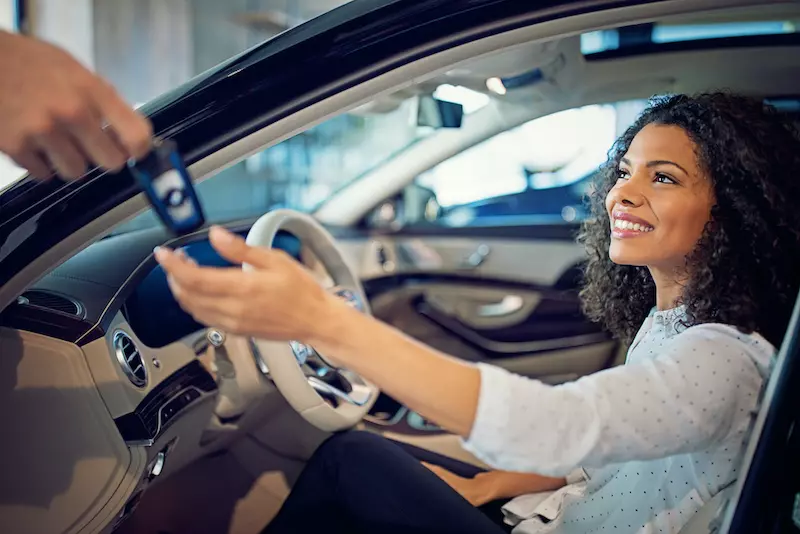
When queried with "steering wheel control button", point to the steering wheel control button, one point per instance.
{"points": [[216, 338], [301, 352]]}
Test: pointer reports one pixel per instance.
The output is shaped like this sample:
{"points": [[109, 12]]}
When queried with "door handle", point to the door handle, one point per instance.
{"points": [[476, 259], [510, 304]]}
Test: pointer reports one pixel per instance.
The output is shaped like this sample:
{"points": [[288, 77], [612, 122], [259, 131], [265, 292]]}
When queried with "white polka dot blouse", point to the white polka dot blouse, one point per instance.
{"points": [[643, 445]]}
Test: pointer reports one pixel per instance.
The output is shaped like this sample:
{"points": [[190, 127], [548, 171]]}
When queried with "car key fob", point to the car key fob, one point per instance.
{"points": [[163, 177]]}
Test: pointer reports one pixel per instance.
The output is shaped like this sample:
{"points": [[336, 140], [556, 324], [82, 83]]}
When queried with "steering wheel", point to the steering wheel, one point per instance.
{"points": [[328, 397]]}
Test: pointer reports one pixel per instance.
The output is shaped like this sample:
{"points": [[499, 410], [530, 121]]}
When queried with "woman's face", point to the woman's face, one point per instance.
{"points": [[661, 202]]}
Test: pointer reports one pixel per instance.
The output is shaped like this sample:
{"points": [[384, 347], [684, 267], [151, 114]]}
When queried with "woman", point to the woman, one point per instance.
{"points": [[693, 260]]}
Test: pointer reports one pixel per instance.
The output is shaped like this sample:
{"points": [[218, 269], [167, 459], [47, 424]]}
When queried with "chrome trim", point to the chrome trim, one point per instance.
{"points": [[216, 337], [80, 310], [124, 362], [350, 296], [417, 422], [509, 305], [156, 467], [301, 352], [359, 396], [260, 363], [505, 347], [396, 418], [149, 442], [476, 259], [140, 443]]}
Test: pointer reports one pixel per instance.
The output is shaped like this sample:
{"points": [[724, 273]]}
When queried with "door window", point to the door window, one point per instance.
{"points": [[536, 173]]}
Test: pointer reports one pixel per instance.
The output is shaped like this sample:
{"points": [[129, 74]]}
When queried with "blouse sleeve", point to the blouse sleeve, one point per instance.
{"points": [[703, 386]]}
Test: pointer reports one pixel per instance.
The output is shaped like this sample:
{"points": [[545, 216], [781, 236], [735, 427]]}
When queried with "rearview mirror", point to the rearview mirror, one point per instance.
{"points": [[437, 113]]}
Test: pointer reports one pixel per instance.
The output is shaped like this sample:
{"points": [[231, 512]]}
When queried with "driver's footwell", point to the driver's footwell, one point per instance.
{"points": [[213, 495]]}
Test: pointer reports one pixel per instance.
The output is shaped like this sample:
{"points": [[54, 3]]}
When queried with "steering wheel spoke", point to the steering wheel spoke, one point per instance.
{"points": [[351, 296]]}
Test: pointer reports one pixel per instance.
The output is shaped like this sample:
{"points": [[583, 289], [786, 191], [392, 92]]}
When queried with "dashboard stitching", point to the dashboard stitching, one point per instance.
{"points": [[80, 279]]}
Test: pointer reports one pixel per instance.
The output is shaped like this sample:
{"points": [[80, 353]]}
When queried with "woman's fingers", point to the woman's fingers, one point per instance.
{"points": [[202, 280]]}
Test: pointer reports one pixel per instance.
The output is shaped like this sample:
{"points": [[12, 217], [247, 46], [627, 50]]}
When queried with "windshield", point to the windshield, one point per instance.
{"points": [[9, 172], [303, 171]]}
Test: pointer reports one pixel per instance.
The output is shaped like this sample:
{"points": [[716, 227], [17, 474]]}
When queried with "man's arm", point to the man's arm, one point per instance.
{"points": [[56, 115]]}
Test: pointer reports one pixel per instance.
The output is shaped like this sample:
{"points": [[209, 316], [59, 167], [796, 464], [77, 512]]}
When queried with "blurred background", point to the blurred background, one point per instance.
{"points": [[147, 47]]}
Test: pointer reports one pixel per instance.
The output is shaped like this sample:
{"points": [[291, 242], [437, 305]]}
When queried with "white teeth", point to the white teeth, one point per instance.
{"points": [[628, 225]]}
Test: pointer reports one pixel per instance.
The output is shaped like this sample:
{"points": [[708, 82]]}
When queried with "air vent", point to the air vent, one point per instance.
{"points": [[129, 359], [51, 301]]}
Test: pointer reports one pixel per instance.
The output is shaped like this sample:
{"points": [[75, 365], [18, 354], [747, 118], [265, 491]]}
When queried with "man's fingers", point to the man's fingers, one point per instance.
{"points": [[98, 143], [67, 158], [34, 163], [131, 128], [234, 249]]}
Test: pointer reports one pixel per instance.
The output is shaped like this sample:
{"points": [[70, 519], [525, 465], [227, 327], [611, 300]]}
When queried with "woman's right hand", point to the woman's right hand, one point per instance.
{"points": [[478, 490]]}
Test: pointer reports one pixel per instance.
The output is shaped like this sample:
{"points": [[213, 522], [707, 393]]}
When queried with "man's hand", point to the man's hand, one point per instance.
{"points": [[478, 491], [57, 115]]}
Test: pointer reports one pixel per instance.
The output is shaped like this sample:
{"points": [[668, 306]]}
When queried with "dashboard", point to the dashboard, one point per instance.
{"points": [[114, 369], [78, 301], [151, 293]]}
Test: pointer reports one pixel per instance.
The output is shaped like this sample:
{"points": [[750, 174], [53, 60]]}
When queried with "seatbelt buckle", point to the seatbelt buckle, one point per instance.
{"points": [[163, 177]]}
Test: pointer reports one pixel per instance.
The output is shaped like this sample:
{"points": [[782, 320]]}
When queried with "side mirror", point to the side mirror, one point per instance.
{"points": [[386, 216], [414, 205], [437, 113], [420, 204]]}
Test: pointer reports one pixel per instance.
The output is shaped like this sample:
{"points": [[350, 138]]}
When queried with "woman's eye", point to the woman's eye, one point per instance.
{"points": [[664, 179], [622, 175]]}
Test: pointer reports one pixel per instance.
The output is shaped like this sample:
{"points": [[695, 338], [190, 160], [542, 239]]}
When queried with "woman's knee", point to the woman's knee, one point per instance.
{"points": [[353, 441], [356, 448]]}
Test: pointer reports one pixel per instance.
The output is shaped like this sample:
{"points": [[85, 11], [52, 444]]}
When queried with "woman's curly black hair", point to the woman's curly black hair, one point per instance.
{"points": [[744, 270]]}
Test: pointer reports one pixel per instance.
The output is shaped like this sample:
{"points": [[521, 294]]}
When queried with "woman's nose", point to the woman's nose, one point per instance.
{"points": [[627, 193]]}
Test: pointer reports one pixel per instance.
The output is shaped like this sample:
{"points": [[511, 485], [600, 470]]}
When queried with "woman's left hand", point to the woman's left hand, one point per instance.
{"points": [[478, 490], [280, 300]]}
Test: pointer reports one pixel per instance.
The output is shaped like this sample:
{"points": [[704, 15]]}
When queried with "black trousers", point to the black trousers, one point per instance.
{"points": [[358, 482]]}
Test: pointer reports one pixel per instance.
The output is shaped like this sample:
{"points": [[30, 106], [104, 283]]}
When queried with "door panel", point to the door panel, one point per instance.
{"points": [[502, 295], [531, 341], [537, 261]]}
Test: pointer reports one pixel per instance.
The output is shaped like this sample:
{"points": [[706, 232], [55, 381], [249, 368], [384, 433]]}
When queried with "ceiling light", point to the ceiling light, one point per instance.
{"points": [[496, 85], [458, 94]]}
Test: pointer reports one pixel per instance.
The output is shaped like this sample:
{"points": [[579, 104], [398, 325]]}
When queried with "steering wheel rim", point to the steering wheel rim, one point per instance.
{"points": [[285, 361]]}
